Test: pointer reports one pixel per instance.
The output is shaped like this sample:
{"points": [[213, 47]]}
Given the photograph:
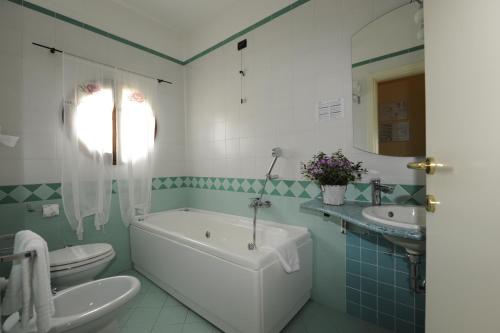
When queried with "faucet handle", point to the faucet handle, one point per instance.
{"points": [[254, 202], [387, 188]]}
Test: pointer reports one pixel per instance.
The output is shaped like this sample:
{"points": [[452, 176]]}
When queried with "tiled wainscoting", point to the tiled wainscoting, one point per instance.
{"points": [[377, 284], [404, 194], [376, 273]]}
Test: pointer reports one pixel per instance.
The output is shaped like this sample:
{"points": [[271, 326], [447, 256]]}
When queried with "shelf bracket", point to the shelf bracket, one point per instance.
{"points": [[343, 226]]}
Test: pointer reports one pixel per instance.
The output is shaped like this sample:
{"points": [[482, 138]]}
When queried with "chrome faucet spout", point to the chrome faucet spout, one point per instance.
{"points": [[377, 189]]}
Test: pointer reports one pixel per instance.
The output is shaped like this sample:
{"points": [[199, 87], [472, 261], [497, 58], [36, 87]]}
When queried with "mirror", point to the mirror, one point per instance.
{"points": [[388, 80]]}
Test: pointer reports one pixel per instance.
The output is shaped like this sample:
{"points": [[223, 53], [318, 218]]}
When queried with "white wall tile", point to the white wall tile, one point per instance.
{"points": [[30, 88], [292, 63]]}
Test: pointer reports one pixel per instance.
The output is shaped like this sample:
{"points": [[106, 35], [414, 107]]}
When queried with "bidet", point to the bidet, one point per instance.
{"points": [[89, 307]]}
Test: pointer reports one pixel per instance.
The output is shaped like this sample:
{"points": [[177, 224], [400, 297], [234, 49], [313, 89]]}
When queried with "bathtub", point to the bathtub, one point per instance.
{"points": [[202, 259]]}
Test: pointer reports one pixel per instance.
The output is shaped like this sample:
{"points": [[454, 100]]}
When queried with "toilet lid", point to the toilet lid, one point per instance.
{"points": [[104, 258], [75, 254]]}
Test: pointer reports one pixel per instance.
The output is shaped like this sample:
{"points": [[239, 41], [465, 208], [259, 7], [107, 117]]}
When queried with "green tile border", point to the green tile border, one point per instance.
{"points": [[361, 192], [248, 29], [388, 55], [93, 29], [114, 37]]}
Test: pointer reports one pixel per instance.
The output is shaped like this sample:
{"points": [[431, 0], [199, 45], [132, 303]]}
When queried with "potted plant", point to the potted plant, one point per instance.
{"points": [[332, 173]]}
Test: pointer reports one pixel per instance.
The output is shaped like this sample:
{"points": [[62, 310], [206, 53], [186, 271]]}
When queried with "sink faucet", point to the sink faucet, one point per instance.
{"points": [[377, 189]]}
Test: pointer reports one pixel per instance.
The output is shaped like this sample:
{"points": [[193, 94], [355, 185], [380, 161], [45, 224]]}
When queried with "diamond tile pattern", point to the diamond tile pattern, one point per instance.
{"points": [[26, 193], [403, 194]]}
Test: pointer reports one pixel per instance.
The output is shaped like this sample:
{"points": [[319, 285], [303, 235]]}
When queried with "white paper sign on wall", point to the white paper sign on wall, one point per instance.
{"points": [[329, 110]]}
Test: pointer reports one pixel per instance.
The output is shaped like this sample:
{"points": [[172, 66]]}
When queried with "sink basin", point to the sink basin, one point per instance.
{"points": [[401, 217], [406, 217]]}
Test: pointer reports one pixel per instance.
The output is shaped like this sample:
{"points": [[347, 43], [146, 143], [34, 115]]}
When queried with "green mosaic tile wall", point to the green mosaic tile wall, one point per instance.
{"points": [[361, 192]]}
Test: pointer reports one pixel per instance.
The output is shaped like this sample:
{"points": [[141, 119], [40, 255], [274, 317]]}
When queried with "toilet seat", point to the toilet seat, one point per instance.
{"points": [[76, 256], [79, 254], [75, 265], [103, 257]]}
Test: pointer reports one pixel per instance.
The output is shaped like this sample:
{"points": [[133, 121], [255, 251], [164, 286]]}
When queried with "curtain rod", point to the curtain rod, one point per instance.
{"points": [[54, 50]]}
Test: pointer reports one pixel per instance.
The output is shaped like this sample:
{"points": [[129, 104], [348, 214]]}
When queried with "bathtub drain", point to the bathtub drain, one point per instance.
{"points": [[207, 234]]}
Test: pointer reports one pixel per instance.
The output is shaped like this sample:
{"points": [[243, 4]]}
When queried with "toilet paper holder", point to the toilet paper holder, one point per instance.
{"points": [[47, 210]]}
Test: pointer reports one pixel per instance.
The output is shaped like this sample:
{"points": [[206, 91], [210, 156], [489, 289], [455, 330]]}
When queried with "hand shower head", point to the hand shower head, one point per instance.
{"points": [[276, 152]]}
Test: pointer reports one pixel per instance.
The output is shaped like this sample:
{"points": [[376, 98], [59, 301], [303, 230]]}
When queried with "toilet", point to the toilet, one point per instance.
{"points": [[90, 307], [78, 264]]}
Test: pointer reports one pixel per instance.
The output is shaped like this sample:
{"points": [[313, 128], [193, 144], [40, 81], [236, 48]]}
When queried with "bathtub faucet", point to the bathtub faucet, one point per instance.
{"points": [[257, 203]]}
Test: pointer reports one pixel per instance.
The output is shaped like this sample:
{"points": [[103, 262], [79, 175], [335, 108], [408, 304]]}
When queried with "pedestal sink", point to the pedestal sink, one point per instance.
{"points": [[409, 218]]}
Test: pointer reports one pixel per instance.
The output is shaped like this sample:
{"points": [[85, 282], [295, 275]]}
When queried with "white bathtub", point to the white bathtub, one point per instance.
{"points": [[218, 277]]}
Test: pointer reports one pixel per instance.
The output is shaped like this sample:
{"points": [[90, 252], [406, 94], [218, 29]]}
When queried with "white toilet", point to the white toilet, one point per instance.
{"points": [[75, 265], [90, 307]]}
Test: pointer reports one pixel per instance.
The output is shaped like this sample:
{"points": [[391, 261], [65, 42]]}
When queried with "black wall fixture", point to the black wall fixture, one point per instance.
{"points": [[242, 45]]}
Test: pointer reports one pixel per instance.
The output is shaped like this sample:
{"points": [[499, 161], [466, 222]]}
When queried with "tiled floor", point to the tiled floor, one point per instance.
{"points": [[153, 310]]}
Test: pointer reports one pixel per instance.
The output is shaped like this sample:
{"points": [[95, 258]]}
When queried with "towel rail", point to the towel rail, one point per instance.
{"points": [[6, 251]]}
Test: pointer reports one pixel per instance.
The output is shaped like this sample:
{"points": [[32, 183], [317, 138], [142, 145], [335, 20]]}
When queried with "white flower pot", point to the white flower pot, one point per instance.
{"points": [[333, 194]]}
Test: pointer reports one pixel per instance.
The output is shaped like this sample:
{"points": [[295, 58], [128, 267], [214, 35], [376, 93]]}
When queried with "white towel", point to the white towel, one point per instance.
{"points": [[38, 283], [18, 293], [27, 313], [286, 250], [3, 285]]}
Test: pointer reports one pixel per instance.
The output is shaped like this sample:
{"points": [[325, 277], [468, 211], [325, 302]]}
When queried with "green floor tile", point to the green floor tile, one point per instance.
{"points": [[201, 327], [172, 315], [167, 315], [193, 317], [155, 300], [135, 301], [159, 328], [123, 316], [172, 301], [142, 319]]}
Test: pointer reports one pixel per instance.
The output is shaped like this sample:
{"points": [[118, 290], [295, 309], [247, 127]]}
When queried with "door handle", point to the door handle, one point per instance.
{"points": [[431, 203], [429, 165]]}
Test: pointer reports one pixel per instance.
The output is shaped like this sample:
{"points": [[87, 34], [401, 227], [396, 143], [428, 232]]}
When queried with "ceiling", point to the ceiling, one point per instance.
{"points": [[177, 15]]}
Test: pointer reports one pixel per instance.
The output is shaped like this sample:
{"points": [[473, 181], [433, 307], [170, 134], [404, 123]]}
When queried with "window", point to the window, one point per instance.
{"points": [[137, 126], [99, 127], [93, 119]]}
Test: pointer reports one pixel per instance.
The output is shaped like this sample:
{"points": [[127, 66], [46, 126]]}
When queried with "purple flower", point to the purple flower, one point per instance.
{"points": [[332, 170]]}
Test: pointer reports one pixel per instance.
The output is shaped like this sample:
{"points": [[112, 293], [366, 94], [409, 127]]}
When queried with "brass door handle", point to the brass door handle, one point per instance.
{"points": [[431, 203], [429, 165]]}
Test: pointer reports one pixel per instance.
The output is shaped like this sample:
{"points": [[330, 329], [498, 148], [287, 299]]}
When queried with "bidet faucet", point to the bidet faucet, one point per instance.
{"points": [[377, 189]]}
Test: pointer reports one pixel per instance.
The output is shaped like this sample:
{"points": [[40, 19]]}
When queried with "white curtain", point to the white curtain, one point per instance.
{"points": [[135, 100], [87, 141]]}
